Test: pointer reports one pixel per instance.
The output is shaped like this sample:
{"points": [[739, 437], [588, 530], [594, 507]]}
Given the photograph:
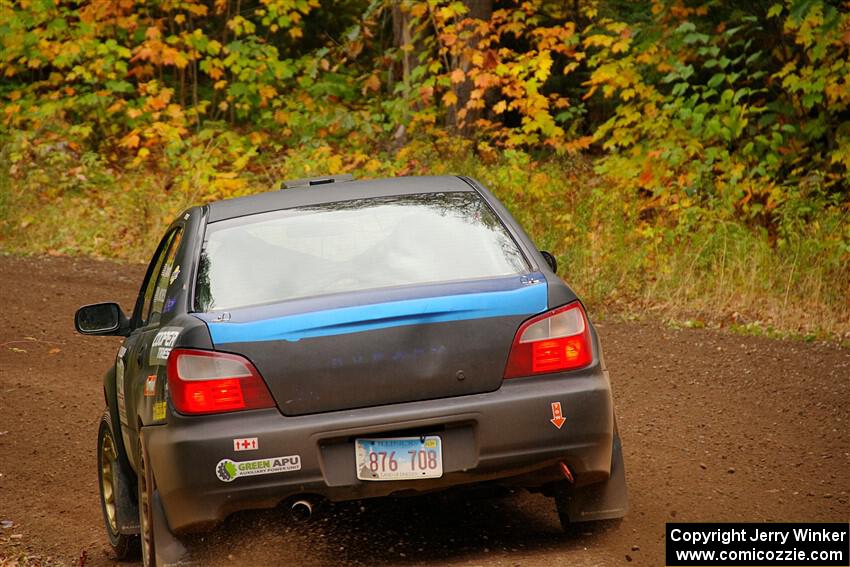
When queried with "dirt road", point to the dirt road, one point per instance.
{"points": [[715, 427]]}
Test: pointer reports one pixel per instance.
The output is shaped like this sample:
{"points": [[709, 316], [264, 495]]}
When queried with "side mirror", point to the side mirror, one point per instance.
{"points": [[550, 259], [101, 319]]}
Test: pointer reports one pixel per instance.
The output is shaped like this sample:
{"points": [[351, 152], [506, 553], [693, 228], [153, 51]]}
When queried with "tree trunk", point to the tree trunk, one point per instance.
{"points": [[478, 10], [403, 35]]}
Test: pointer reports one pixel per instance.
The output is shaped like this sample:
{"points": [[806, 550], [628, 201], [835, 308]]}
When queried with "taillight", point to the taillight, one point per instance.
{"points": [[201, 381], [555, 341]]}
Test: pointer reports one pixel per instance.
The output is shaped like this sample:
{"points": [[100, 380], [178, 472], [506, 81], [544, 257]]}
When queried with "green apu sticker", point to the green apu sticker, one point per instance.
{"points": [[228, 471]]}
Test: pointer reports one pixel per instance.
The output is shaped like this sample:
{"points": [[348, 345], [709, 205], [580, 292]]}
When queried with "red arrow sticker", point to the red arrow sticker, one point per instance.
{"points": [[150, 386], [557, 417]]}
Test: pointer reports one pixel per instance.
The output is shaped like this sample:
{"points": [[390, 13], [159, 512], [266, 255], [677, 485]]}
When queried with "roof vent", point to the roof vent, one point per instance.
{"points": [[310, 181]]}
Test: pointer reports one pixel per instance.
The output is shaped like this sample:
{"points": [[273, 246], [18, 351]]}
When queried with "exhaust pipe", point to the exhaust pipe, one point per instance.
{"points": [[568, 474], [301, 510]]}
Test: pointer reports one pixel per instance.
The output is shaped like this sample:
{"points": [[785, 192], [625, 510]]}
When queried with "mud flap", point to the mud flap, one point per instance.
{"points": [[169, 550], [604, 501], [126, 508]]}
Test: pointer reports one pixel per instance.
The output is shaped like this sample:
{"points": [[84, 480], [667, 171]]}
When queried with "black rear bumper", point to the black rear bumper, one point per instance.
{"points": [[503, 436]]}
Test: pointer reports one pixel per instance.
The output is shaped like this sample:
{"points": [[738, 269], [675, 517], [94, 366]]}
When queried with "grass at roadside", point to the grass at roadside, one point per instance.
{"points": [[698, 269]]}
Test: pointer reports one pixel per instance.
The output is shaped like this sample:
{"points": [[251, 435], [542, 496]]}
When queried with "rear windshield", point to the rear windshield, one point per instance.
{"points": [[352, 246]]}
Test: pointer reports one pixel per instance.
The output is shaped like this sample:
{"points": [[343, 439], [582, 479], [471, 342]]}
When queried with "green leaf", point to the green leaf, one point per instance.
{"points": [[739, 95], [679, 89], [716, 79], [694, 37]]}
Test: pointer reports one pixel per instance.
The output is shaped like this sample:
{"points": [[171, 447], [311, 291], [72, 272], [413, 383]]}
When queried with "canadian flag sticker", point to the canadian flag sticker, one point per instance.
{"points": [[246, 444]]}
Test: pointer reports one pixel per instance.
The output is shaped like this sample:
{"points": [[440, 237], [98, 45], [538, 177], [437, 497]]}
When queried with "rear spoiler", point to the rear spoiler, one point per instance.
{"points": [[310, 181]]}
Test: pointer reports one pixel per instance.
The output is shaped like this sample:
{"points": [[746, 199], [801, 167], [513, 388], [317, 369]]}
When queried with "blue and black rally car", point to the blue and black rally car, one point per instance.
{"points": [[345, 340]]}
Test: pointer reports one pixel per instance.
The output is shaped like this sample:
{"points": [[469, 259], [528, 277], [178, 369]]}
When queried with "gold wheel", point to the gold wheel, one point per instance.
{"points": [[108, 458], [145, 511], [114, 481]]}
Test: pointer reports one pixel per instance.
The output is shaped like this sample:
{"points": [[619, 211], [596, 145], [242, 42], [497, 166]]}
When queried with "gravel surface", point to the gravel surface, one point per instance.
{"points": [[715, 427]]}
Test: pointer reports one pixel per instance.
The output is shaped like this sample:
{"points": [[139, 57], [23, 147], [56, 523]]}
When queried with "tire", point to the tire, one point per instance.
{"points": [[146, 527], [110, 475]]}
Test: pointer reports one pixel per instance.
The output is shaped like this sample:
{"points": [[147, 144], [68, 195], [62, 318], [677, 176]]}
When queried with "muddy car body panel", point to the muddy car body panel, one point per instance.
{"points": [[358, 325], [503, 436], [380, 351]]}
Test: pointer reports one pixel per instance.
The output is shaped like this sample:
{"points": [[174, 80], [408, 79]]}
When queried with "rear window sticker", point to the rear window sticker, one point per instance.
{"points": [[169, 304], [228, 471], [162, 344], [246, 444], [174, 274], [159, 411], [167, 268], [150, 386], [119, 389]]}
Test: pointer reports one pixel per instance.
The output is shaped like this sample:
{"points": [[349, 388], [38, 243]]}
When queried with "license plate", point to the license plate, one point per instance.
{"points": [[399, 458]]}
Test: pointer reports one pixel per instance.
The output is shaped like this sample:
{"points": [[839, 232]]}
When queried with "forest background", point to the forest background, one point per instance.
{"points": [[688, 161]]}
